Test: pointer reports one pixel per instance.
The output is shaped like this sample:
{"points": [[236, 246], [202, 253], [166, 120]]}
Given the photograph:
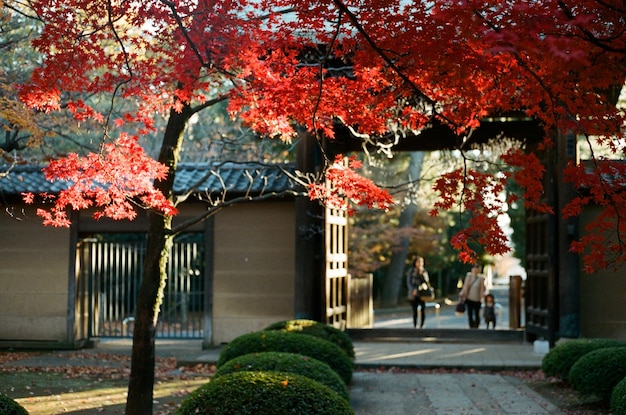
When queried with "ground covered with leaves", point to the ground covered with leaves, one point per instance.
{"points": [[88, 383]]}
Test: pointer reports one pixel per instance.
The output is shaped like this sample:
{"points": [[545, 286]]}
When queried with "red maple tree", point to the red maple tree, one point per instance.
{"points": [[375, 66]]}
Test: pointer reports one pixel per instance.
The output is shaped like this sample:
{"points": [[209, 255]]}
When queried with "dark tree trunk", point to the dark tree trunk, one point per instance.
{"points": [[394, 277], [392, 284], [141, 383]]}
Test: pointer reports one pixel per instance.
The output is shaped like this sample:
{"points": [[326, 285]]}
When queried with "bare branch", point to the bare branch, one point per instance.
{"points": [[220, 199]]}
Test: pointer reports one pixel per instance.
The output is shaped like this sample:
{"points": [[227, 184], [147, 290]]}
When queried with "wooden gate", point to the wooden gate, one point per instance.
{"points": [[336, 252], [110, 266], [541, 290]]}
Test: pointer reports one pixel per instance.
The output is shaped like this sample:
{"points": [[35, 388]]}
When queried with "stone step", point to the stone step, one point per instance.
{"points": [[438, 335]]}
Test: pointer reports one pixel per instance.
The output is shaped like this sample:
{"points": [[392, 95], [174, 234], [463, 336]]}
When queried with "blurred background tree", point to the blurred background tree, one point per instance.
{"points": [[385, 243]]}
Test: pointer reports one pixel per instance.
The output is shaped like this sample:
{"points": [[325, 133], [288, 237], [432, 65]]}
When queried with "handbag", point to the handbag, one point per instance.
{"points": [[460, 308], [426, 292]]}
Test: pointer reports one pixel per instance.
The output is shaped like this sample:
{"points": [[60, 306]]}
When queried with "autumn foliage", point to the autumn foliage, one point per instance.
{"points": [[602, 184], [377, 67], [114, 181], [344, 185]]}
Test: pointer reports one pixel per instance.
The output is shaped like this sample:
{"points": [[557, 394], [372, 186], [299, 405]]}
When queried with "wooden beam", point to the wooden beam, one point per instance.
{"points": [[442, 137]]}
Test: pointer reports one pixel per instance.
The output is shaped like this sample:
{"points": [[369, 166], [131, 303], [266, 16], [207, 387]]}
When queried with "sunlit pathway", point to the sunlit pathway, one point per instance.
{"points": [[442, 317], [444, 394]]}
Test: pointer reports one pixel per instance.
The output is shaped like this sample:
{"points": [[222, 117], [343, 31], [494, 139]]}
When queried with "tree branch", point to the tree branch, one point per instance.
{"points": [[359, 27]]}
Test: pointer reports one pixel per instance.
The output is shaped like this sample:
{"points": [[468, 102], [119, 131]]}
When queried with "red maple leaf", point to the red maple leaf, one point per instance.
{"points": [[115, 181]]}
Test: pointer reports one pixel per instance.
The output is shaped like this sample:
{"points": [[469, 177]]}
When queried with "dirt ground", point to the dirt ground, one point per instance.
{"points": [[98, 386], [568, 400]]}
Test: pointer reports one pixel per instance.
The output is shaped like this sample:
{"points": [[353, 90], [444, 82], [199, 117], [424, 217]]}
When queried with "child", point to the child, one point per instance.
{"points": [[490, 310]]}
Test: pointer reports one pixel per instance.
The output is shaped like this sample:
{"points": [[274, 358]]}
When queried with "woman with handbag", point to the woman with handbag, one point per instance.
{"points": [[418, 286], [472, 295]]}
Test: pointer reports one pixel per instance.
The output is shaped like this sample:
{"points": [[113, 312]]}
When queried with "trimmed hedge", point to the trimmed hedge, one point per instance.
{"points": [[282, 341], [9, 407], [597, 372], [264, 393], [618, 398], [317, 329], [289, 363], [558, 361]]}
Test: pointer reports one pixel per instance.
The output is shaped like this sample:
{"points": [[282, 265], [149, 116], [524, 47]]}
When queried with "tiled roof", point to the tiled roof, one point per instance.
{"points": [[237, 178]]}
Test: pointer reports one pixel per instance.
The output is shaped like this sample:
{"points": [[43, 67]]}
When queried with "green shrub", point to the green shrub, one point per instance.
{"points": [[9, 407], [282, 341], [286, 362], [618, 398], [264, 393], [317, 329], [597, 372], [558, 361]]}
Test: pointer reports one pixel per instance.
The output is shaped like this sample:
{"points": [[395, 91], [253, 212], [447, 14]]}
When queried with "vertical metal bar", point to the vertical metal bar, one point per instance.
{"points": [[185, 278], [105, 285], [106, 277], [84, 249], [129, 283], [118, 287], [110, 275], [96, 293], [195, 298], [113, 288], [99, 282], [121, 249]]}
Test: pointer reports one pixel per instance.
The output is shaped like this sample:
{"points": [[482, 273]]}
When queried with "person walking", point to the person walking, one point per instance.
{"points": [[472, 294], [416, 279], [489, 310]]}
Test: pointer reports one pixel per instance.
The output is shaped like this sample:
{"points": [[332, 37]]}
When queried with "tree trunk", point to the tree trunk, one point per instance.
{"points": [[141, 383], [392, 283]]}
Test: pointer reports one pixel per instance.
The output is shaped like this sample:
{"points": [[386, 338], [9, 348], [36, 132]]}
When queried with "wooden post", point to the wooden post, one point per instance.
{"points": [[569, 268], [309, 278]]}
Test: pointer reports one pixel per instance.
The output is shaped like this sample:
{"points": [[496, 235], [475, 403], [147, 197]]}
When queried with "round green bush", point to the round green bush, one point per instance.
{"points": [[9, 407], [558, 361], [597, 372], [289, 363], [317, 329], [264, 393], [282, 341], [618, 398]]}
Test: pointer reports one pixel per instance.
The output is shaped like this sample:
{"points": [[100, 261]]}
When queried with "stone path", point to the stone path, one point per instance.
{"points": [[444, 394]]}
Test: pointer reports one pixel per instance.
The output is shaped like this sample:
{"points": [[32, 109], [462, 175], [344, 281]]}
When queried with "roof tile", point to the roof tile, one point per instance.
{"points": [[236, 178]]}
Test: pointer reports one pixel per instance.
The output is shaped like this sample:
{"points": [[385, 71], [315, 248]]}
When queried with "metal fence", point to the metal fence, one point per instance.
{"points": [[111, 265]]}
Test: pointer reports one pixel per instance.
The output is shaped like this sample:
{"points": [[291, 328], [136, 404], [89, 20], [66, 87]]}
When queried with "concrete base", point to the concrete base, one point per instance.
{"points": [[44, 345], [541, 347]]}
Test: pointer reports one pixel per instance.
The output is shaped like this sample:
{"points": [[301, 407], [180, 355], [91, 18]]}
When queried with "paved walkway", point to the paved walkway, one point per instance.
{"points": [[444, 394], [377, 390], [413, 354]]}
